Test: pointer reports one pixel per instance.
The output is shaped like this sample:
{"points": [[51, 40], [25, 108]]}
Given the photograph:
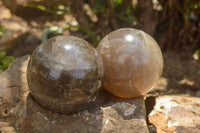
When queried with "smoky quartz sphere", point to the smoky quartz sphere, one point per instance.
{"points": [[133, 62], [65, 74]]}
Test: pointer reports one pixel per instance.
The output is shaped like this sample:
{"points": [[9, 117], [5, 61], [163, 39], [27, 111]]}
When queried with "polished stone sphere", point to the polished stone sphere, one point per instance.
{"points": [[133, 62], [65, 74]]}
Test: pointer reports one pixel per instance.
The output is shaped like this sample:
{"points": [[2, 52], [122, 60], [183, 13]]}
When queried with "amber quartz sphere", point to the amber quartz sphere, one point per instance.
{"points": [[65, 74], [133, 62]]}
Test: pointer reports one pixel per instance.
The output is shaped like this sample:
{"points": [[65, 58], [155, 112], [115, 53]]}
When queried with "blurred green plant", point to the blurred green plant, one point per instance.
{"points": [[189, 9], [127, 16], [49, 30], [117, 2], [2, 29], [196, 54], [59, 30], [5, 60], [99, 7], [59, 10], [91, 34]]}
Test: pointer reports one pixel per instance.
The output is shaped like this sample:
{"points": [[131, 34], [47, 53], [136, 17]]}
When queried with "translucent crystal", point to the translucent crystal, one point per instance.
{"points": [[133, 62], [65, 74]]}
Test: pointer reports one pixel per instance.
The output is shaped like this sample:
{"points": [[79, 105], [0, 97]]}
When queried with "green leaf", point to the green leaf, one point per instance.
{"points": [[197, 52], [2, 29], [56, 29], [6, 62], [67, 26], [53, 29], [2, 54], [45, 34], [41, 7], [61, 7], [118, 2]]}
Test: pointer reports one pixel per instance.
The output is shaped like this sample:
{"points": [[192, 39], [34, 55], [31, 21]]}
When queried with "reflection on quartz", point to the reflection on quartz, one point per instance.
{"points": [[67, 47], [54, 74], [129, 37], [65, 74]]}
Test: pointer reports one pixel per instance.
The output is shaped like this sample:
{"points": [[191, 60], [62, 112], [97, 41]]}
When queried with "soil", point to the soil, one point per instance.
{"points": [[180, 75]]}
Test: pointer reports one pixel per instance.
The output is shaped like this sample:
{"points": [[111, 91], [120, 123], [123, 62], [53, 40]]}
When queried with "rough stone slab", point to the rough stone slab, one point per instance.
{"points": [[19, 112], [180, 114], [14, 27]]}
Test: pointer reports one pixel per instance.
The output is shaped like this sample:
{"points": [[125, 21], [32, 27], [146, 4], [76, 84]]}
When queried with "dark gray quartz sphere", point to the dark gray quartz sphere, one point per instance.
{"points": [[65, 74]]}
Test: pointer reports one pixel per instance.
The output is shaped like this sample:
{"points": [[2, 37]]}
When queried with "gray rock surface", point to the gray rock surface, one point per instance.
{"points": [[19, 112]]}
